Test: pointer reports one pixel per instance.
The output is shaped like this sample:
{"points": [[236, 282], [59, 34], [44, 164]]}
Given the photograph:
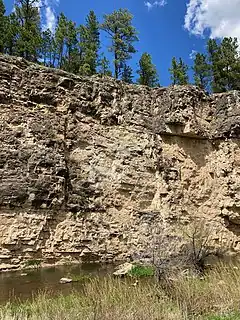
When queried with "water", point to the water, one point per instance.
{"points": [[24, 285]]}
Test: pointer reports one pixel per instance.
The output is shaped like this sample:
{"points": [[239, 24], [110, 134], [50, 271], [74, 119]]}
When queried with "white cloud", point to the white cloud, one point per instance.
{"points": [[151, 5], [49, 14], [192, 54], [46, 9], [220, 17], [50, 18]]}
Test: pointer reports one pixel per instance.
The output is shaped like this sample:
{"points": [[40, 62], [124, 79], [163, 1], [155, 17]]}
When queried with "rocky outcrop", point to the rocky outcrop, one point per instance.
{"points": [[91, 168]]}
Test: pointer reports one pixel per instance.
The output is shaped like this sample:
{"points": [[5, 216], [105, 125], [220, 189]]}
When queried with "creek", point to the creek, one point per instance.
{"points": [[26, 284]]}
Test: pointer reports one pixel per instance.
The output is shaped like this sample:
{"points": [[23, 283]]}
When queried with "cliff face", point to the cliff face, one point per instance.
{"points": [[91, 168]]}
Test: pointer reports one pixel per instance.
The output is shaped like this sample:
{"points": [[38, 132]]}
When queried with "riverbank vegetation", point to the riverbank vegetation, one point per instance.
{"points": [[215, 296]]}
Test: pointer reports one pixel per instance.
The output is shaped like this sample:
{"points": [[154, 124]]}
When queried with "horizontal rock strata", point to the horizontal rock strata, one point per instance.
{"points": [[91, 168]]}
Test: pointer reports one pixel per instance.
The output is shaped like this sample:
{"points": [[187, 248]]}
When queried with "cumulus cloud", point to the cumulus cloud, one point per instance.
{"points": [[47, 10], [220, 17], [155, 4], [49, 14]]}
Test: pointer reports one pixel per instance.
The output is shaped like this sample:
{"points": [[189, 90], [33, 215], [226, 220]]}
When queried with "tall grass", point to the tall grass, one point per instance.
{"points": [[217, 293], [214, 297], [101, 299]]}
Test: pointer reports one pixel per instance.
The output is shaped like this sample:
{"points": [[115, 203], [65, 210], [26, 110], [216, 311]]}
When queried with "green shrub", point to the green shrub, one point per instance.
{"points": [[33, 263], [142, 271]]}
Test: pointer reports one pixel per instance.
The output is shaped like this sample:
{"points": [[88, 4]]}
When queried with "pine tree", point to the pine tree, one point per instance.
{"points": [[147, 71], [104, 67], [178, 72], [225, 64], [127, 74], [53, 52], [60, 39], [202, 71], [2, 26], [46, 47], [214, 53], [11, 34], [29, 38], [174, 71], [89, 44], [230, 64], [183, 69], [71, 60], [118, 25]]}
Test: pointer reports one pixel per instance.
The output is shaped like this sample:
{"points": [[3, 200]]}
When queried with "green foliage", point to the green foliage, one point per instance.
{"points": [[11, 34], [46, 48], [60, 39], [142, 271], [36, 263], [178, 72], [90, 44], [2, 26], [66, 45], [225, 64], [76, 48], [71, 59], [147, 71], [28, 42], [104, 67], [202, 71], [127, 75], [214, 56], [85, 70], [118, 26], [229, 64]]}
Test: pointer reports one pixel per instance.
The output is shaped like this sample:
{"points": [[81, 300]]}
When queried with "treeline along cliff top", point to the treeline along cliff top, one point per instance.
{"points": [[78, 49]]}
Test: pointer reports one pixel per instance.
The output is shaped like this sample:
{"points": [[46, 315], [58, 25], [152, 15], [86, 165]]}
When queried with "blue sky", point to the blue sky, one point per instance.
{"points": [[166, 28]]}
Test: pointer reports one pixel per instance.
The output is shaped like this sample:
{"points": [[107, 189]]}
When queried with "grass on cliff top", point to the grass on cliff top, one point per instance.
{"points": [[216, 297]]}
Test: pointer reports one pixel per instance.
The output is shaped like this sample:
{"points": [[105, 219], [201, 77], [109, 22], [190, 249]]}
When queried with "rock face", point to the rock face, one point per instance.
{"points": [[89, 167]]}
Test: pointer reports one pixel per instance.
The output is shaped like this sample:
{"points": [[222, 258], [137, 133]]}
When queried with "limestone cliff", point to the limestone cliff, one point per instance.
{"points": [[90, 166]]}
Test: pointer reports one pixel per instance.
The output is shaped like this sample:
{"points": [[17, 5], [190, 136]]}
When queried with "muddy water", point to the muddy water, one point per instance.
{"points": [[27, 284]]}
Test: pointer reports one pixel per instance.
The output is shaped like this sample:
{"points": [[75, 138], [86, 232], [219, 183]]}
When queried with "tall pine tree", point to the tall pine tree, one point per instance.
{"points": [[214, 54], [89, 44], [118, 26], [229, 64], [71, 59], [47, 47], [60, 39], [29, 38], [225, 64]]}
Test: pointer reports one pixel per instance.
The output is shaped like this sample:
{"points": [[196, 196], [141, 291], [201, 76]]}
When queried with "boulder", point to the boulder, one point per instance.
{"points": [[65, 280], [123, 269]]}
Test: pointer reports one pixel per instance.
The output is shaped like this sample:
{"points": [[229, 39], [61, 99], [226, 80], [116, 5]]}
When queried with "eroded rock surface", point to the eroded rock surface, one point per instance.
{"points": [[91, 167]]}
